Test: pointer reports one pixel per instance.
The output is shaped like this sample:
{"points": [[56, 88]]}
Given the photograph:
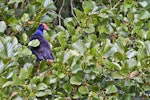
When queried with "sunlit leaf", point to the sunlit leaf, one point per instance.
{"points": [[145, 15], [75, 81], [25, 17], [23, 74], [111, 89], [42, 86], [83, 89], [34, 43], [2, 26], [1, 66], [143, 3], [79, 46], [8, 83], [68, 88]]}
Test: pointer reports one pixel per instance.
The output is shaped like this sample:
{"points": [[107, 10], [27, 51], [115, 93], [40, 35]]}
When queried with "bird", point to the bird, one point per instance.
{"points": [[43, 51]]}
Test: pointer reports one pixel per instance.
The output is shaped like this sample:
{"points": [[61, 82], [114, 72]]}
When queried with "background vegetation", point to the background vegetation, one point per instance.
{"points": [[101, 48]]}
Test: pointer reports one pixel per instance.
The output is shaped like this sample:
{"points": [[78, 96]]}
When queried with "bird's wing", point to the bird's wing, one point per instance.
{"points": [[43, 51]]}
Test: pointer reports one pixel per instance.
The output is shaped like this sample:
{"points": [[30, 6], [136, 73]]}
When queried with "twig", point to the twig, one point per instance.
{"points": [[56, 14], [72, 12], [110, 4], [116, 4], [60, 11]]}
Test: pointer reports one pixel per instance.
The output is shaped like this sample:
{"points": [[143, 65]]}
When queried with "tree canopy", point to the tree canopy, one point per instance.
{"points": [[101, 49]]}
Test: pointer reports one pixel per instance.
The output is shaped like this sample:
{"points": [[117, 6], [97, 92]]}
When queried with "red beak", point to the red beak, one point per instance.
{"points": [[45, 26]]}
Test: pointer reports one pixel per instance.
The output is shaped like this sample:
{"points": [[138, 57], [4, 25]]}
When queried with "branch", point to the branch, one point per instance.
{"points": [[72, 12], [60, 11], [56, 14], [110, 4], [116, 4]]}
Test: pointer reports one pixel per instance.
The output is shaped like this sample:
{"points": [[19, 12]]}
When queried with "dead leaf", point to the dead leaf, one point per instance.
{"points": [[133, 74]]}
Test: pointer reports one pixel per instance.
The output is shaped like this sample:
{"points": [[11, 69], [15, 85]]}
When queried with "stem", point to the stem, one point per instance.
{"points": [[116, 4], [60, 11], [56, 14], [72, 12]]}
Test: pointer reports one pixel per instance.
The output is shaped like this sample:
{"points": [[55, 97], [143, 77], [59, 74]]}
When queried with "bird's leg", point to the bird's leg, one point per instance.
{"points": [[49, 61]]}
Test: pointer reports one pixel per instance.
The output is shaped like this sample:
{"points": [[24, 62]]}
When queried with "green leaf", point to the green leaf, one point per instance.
{"points": [[71, 29], [93, 94], [2, 26], [24, 74], [103, 15], [74, 52], [145, 15], [68, 88], [83, 90], [2, 66], [35, 80], [75, 81], [78, 13], [24, 36], [40, 93], [34, 43], [23, 51], [8, 83], [2, 81], [112, 65], [80, 75], [143, 3], [117, 75], [49, 4], [46, 18], [76, 68], [67, 55], [88, 6], [53, 79], [147, 44], [103, 29], [25, 17], [131, 53], [62, 39], [89, 30], [111, 89], [79, 46], [127, 96], [61, 75], [42, 86], [60, 28], [13, 21], [17, 81]]}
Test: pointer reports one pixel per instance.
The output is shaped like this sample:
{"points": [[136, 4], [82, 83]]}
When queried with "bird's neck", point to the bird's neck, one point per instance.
{"points": [[39, 32]]}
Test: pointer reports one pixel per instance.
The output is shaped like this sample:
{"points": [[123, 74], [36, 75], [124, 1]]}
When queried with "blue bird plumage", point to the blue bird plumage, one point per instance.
{"points": [[43, 51]]}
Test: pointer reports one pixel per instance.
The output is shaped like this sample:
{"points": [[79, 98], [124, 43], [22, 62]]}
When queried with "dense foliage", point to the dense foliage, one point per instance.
{"points": [[102, 50]]}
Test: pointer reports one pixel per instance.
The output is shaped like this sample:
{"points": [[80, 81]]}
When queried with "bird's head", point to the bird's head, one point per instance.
{"points": [[40, 29], [43, 26]]}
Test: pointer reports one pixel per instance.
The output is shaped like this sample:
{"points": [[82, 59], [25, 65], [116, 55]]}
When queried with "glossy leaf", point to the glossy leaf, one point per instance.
{"points": [[42, 86], [34, 43], [83, 89], [111, 89], [2, 26], [75, 81], [25, 17]]}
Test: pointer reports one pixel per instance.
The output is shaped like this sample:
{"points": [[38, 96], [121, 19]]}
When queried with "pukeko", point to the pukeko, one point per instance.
{"points": [[43, 51]]}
